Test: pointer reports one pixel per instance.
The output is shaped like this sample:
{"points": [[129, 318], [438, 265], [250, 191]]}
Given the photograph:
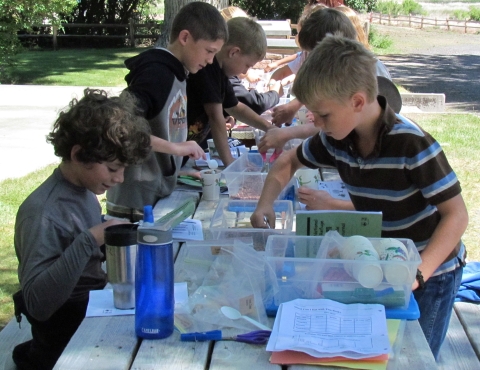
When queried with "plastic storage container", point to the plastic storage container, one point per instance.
{"points": [[245, 179], [231, 220], [304, 271]]}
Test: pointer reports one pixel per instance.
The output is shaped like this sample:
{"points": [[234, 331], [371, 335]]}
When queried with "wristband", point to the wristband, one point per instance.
{"points": [[419, 278]]}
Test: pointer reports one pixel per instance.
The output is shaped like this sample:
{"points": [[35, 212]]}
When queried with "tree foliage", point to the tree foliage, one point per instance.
{"points": [[20, 15], [274, 10]]}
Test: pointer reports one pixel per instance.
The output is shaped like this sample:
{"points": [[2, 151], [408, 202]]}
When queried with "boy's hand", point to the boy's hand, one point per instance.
{"points": [[282, 114], [98, 230], [270, 67], [257, 219], [273, 138], [229, 122], [191, 149], [314, 199]]}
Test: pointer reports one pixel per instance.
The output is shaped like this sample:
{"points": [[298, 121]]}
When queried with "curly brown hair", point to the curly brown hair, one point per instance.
{"points": [[106, 129]]}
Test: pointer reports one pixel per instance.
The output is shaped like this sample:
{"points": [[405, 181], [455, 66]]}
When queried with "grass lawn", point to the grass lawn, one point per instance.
{"points": [[74, 67]]}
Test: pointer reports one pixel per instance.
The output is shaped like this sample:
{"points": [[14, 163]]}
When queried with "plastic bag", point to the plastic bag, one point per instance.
{"points": [[236, 278]]}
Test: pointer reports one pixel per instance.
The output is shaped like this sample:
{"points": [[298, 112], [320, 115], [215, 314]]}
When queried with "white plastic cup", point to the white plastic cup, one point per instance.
{"points": [[395, 252], [368, 273], [308, 177], [302, 115], [210, 184]]}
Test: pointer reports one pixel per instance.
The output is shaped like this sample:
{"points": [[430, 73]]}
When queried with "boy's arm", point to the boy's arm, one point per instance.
{"points": [[322, 200], [278, 63], [453, 222], [278, 137], [183, 149], [281, 73], [279, 175], [245, 114], [219, 131], [285, 113]]}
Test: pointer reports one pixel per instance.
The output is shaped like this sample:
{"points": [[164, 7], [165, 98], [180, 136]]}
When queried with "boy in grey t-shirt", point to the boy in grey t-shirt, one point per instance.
{"points": [[58, 229]]}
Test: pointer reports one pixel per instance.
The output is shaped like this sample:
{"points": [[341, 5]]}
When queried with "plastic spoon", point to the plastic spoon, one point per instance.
{"points": [[212, 164], [234, 314]]}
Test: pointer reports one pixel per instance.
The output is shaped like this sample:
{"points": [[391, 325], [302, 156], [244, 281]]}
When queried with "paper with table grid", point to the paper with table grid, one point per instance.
{"points": [[325, 328]]}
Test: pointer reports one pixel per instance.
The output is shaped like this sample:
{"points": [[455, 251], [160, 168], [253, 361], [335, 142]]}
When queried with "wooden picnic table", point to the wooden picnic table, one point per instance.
{"points": [[282, 46], [110, 342], [276, 28]]}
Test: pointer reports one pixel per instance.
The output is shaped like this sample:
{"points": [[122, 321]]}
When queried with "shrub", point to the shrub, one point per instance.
{"points": [[394, 8], [377, 40], [361, 5], [474, 13]]}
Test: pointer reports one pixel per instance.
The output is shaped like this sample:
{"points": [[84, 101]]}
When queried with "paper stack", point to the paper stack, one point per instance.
{"points": [[328, 330]]}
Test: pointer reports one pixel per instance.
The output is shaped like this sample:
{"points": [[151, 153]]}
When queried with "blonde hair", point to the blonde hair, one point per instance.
{"points": [[248, 35], [355, 19], [336, 69], [307, 12], [232, 12]]}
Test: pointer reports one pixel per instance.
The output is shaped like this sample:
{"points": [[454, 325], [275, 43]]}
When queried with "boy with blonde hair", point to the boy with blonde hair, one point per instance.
{"points": [[388, 164], [157, 78], [210, 92]]}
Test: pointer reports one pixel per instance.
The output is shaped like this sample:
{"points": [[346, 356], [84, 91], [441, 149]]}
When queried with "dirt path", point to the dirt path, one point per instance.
{"points": [[434, 61]]}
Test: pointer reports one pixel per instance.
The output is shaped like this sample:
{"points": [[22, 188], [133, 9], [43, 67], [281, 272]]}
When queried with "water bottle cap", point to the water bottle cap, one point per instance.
{"points": [[148, 214]]}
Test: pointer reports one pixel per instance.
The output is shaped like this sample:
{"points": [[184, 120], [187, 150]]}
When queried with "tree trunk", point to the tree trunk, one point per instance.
{"points": [[171, 9]]}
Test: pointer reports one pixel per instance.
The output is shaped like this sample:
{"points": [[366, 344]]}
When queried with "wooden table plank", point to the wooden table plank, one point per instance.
{"points": [[172, 354], [457, 352], [101, 343], [469, 316], [10, 336], [236, 355]]}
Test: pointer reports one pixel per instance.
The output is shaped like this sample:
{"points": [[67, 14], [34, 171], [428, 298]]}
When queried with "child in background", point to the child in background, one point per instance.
{"points": [[157, 78], [362, 37], [58, 228], [259, 102], [210, 92], [286, 73], [388, 164]]}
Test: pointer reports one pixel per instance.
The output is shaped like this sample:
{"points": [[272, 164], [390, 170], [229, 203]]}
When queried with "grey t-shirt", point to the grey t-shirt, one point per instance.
{"points": [[59, 259]]}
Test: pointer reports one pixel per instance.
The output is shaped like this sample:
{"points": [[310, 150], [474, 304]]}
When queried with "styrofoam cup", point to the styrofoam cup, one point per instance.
{"points": [[210, 184], [308, 177], [395, 252], [369, 273]]}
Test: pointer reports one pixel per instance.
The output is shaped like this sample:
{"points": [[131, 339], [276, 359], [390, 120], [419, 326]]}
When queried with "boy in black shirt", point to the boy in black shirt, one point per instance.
{"points": [[209, 91]]}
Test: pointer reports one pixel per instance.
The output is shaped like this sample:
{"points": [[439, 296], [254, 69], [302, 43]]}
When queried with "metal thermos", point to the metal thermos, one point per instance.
{"points": [[121, 249]]}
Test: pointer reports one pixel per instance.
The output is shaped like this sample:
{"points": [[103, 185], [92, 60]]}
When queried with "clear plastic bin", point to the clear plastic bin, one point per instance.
{"points": [[231, 220], [304, 270], [245, 179]]}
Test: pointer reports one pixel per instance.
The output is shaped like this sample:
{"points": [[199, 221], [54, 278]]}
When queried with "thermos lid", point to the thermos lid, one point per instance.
{"points": [[121, 235]]}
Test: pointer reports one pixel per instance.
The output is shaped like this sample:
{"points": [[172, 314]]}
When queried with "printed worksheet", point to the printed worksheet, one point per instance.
{"points": [[325, 328]]}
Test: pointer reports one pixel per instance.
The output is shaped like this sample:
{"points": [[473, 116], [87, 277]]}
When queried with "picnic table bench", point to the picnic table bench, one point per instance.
{"points": [[110, 342]]}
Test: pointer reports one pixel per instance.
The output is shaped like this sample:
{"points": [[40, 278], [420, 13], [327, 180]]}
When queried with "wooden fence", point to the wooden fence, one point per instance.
{"points": [[53, 32], [422, 22]]}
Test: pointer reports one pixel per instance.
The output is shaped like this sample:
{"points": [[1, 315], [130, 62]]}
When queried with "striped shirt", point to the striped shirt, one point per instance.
{"points": [[405, 177]]}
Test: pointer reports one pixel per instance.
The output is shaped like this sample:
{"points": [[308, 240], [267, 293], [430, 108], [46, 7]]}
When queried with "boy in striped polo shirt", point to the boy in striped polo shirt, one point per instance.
{"points": [[388, 164]]}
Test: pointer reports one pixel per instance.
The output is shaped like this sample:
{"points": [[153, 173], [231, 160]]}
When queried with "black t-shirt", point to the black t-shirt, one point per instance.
{"points": [[209, 85]]}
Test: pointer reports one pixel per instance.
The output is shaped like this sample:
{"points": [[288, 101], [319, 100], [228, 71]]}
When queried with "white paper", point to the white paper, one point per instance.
{"points": [[188, 229], [325, 328], [101, 301]]}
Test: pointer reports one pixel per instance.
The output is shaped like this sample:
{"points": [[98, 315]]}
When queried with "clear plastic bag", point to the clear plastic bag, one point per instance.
{"points": [[235, 278]]}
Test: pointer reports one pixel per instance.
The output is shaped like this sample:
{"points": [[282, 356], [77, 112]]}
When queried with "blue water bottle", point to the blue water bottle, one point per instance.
{"points": [[154, 297]]}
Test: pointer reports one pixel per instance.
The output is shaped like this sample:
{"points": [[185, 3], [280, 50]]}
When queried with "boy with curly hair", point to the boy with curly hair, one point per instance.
{"points": [[58, 228]]}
